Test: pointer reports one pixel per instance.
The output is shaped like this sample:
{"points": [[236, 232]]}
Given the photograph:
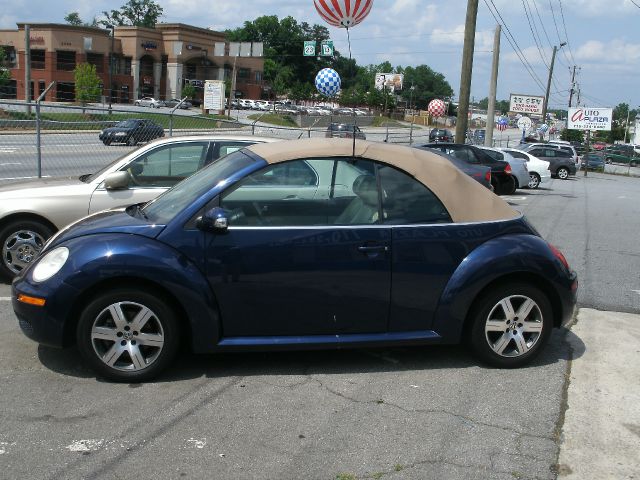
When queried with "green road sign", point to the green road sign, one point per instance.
{"points": [[326, 48], [309, 48]]}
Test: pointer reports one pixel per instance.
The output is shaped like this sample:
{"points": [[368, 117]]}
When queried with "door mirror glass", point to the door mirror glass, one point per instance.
{"points": [[117, 180], [214, 220]]}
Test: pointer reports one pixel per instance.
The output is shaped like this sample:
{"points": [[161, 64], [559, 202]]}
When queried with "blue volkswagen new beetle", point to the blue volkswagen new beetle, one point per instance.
{"points": [[320, 243]]}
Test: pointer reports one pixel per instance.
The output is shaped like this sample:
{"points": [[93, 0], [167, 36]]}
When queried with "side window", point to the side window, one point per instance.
{"points": [[230, 147], [165, 166], [305, 193], [517, 154], [407, 201], [537, 152]]}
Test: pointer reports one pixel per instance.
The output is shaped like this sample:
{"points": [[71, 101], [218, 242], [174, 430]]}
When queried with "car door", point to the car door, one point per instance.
{"points": [[151, 173], [306, 266]]}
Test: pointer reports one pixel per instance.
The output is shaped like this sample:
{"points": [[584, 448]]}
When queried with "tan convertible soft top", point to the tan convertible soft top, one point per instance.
{"points": [[464, 198]]}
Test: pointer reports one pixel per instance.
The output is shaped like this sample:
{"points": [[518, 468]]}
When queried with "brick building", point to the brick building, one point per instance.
{"points": [[154, 62]]}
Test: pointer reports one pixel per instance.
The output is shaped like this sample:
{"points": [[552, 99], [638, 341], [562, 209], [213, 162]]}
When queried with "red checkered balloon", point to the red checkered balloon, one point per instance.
{"points": [[437, 108], [343, 13]]}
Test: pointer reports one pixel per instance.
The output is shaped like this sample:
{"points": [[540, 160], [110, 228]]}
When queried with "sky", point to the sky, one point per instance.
{"points": [[601, 38]]}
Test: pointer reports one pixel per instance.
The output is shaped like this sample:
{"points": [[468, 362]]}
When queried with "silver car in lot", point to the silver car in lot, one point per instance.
{"points": [[519, 169], [538, 169], [33, 210]]}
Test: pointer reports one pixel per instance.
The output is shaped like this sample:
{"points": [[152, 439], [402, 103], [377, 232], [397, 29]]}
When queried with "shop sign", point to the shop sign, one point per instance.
{"points": [[39, 40], [149, 45]]}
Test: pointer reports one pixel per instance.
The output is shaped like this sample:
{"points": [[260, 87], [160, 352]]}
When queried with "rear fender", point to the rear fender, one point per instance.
{"points": [[501, 257]]}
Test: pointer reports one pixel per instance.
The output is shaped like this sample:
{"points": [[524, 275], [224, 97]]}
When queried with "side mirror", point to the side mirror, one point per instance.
{"points": [[214, 220], [117, 180]]}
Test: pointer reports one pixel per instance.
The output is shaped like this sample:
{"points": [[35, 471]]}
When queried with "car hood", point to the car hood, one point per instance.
{"points": [[116, 220], [40, 187]]}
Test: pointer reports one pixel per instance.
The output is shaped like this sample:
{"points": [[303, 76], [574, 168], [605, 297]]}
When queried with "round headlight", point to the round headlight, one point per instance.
{"points": [[50, 264]]}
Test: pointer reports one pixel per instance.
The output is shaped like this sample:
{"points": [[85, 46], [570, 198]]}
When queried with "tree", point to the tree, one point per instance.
{"points": [[137, 13], [571, 135], [5, 74], [428, 84], [87, 83], [73, 18], [188, 91]]}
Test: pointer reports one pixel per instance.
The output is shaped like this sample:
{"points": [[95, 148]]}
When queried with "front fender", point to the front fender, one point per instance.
{"points": [[507, 255], [107, 258]]}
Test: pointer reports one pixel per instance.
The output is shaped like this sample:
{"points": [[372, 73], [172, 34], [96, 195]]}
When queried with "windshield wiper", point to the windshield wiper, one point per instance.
{"points": [[141, 211]]}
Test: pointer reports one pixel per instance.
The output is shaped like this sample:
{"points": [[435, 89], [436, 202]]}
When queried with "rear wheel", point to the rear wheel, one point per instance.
{"points": [[508, 187], [632, 163], [511, 324], [128, 334], [21, 242], [534, 180], [608, 160], [562, 173]]}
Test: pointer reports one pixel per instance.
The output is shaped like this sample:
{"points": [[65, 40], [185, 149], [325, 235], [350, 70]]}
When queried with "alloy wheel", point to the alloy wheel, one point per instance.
{"points": [[21, 248], [514, 326]]}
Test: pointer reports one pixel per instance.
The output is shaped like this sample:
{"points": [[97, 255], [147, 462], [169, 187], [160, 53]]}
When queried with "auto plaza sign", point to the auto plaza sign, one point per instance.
{"points": [[530, 104], [583, 118]]}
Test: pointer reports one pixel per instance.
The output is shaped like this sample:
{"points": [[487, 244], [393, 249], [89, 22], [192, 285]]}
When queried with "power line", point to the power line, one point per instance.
{"points": [[514, 44], [535, 37], [635, 3], [566, 34], [553, 15], [544, 29]]}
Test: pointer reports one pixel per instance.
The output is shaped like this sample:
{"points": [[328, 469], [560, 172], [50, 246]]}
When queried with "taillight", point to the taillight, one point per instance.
{"points": [[487, 176], [507, 169], [558, 254]]}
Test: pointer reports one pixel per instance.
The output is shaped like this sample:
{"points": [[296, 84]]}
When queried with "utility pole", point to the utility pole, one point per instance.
{"points": [[467, 68], [27, 67], [113, 35], [488, 139], [573, 78], [546, 96]]}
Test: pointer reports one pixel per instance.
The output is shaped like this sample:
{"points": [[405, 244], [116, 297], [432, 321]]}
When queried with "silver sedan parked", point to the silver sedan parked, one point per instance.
{"points": [[519, 169], [32, 211]]}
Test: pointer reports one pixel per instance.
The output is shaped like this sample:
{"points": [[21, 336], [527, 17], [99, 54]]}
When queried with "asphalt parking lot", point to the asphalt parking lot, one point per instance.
{"points": [[381, 413]]}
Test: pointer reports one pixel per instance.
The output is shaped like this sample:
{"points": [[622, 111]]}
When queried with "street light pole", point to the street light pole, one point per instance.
{"points": [[113, 34], [546, 96]]}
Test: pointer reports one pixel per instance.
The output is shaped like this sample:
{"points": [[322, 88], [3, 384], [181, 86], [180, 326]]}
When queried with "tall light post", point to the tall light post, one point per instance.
{"points": [[546, 96], [113, 35]]}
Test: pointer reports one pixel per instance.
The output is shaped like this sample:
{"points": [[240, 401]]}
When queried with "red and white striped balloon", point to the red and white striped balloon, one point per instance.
{"points": [[343, 13]]}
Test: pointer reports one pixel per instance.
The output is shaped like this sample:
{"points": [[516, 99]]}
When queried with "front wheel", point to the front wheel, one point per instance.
{"points": [[133, 141], [562, 173], [510, 325], [608, 160], [128, 334], [632, 163], [21, 243], [534, 180]]}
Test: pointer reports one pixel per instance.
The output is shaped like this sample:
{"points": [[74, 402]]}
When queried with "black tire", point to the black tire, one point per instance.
{"points": [[20, 243], [563, 173], [508, 187], [608, 160], [107, 142], [132, 141], [115, 341], [632, 163], [522, 339]]}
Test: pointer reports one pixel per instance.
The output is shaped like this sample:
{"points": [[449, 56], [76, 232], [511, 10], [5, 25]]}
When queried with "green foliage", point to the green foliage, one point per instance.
{"points": [[188, 90], [501, 106], [571, 135], [138, 13], [428, 85], [87, 83], [5, 74], [73, 18]]}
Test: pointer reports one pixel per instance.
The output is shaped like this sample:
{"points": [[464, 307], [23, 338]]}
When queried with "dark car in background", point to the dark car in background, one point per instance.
{"points": [[480, 173], [593, 161], [175, 101], [131, 132], [344, 130], [501, 178], [440, 135], [622, 153], [561, 162]]}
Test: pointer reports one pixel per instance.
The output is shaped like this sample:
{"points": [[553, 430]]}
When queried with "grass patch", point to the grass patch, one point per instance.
{"points": [[346, 476], [94, 121], [386, 121], [274, 119]]}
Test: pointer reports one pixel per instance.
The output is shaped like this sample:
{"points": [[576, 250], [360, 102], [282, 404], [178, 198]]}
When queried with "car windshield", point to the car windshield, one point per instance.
{"points": [[173, 201], [126, 124]]}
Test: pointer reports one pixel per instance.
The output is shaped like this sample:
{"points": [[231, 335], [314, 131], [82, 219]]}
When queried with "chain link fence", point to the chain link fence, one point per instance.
{"points": [[65, 140]]}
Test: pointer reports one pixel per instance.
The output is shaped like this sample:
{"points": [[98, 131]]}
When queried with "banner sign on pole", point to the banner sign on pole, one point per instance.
{"points": [[530, 104], [586, 118]]}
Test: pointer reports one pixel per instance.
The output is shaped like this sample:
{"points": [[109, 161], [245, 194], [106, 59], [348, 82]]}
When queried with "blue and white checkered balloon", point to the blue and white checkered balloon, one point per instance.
{"points": [[328, 82]]}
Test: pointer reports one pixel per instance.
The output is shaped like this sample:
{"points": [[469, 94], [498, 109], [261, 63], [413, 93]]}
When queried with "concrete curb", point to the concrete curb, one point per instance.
{"points": [[601, 430]]}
